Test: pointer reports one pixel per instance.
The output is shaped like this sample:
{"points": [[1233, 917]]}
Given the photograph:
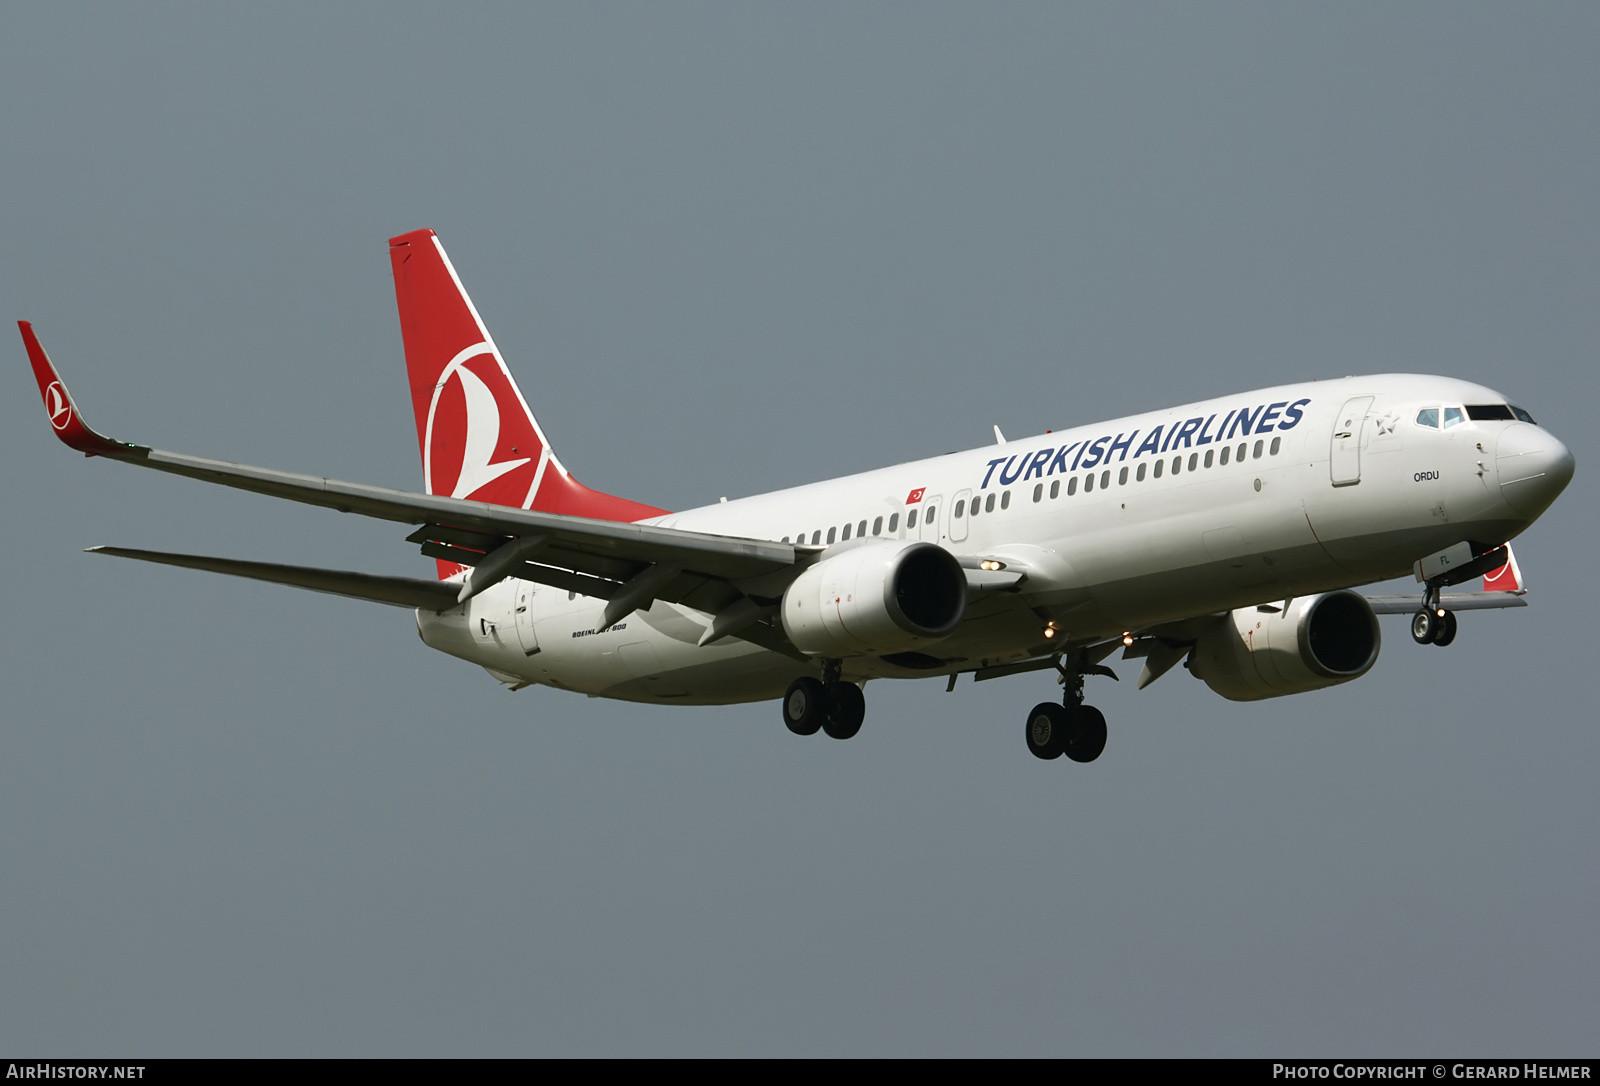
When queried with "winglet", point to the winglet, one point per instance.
{"points": [[1508, 578], [59, 405]]}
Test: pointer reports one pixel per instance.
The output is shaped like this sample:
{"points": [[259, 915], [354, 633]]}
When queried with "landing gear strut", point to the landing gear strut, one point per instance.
{"points": [[1071, 728], [829, 705], [1433, 625]]}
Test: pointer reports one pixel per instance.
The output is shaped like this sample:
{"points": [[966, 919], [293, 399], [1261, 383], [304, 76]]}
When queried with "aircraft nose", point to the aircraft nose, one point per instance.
{"points": [[1534, 467]]}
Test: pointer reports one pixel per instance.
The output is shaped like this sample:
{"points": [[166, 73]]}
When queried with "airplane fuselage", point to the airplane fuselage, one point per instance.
{"points": [[1115, 526]]}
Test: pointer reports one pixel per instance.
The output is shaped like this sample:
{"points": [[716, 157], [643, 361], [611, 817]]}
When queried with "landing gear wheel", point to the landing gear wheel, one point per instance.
{"points": [[1047, 730], [1424, 627], [844, 708], [1446, 632], [803, 706], [1086, 737]]}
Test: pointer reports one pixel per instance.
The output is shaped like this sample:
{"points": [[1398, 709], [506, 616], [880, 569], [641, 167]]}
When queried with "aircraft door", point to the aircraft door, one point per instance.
{"points": [[931, 512], [1344, 461], [958, 516], [523, 611]]}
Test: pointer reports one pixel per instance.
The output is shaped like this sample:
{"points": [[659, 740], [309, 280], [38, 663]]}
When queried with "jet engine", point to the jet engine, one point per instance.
{"points": [[1264, 652], [885, 596]]}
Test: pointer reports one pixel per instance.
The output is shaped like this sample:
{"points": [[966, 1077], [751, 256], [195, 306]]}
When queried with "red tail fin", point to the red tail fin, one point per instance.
{"points": [[478, 438]]}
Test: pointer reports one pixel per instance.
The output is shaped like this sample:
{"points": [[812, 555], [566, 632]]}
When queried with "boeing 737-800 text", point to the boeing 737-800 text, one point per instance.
{"points": [[1226, 534]]}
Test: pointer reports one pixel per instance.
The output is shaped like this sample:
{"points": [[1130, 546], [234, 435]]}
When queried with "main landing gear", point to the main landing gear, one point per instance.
{"points": [[1433, 625], [832, 706], [1071, 728]]}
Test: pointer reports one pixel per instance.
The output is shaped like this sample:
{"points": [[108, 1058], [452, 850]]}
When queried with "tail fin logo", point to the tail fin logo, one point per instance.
{"points": [[467, 445], [56, 402]]}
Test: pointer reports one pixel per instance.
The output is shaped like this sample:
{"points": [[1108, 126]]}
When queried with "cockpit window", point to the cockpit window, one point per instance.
{"points": [[1453, 416], [1429, 417], [1523, 415], [1489, 412]]}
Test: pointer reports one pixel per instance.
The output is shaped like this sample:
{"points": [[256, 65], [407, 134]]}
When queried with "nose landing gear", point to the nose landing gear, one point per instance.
{"points": [[1433, 625]]}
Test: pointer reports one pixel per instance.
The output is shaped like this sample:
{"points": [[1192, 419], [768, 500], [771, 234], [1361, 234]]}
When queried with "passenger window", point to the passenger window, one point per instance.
{"points": [[1038, 491], [1277, 443], [1105, 479], [846, 532], [831, 532], [816, 537], [894, 523], [1088, 482], [1194, 459], [1159, 465], [1453, 417], [1208, 457], [877, 526], [977, 506], [1072, 486], [1005, 500], [1055, 488], [1239, 456], [960, 506], [1177, 464], [1256, 452], [785, 539], [1226, 449], [1429, 417], [911, 520], [988, 505], [1122, 477], [1140, 474], [927, 515]]}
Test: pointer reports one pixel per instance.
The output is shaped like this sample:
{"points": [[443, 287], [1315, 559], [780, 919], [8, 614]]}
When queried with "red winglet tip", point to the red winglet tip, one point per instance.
{"points": [[58, 403], [407, 239]]}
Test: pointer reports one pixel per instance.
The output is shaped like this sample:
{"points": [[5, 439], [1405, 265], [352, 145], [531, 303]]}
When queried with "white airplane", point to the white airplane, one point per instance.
{"points": [[1226, 534]]}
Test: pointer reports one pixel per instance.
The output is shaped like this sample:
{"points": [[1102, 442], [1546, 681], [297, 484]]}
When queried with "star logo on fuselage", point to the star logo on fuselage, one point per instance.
{"points": [[1387, 423]]}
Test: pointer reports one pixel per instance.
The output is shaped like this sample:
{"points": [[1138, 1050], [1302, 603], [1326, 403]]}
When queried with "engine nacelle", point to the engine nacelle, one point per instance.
{"points": [[884, 596], [1316, 641]]}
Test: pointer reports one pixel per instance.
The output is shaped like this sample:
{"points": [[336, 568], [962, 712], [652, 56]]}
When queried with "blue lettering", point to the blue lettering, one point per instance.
{"points": [[1269, 416], [1007, 480], [1188, 428], [1061, 459], [1096, 453], [1151, 443], [1244, 423], [1292, 413], [992, 463], [1121, 444], [1224, 428], [1036, 465], [1202, 438], [1075, 459]]}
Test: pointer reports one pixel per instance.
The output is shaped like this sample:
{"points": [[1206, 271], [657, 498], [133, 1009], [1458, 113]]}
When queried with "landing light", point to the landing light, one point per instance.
{"points": [[991, 565], [1127, 638]]}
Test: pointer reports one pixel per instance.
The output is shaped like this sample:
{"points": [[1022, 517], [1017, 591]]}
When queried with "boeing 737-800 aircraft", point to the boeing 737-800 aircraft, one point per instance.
{"points": [[1225, 534]]}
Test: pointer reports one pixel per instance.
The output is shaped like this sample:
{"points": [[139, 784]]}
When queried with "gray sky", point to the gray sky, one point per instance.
{"points": [[727, 249]]}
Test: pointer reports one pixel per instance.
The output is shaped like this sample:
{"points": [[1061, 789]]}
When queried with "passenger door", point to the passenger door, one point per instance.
{"points": [[1344, 460]]}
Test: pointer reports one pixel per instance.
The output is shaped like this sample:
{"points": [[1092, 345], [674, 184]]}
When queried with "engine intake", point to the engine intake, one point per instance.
{"points": [[1314, 642], [883, 596]]}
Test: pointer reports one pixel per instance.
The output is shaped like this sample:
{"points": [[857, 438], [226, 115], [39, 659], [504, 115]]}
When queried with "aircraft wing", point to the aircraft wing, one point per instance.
{"points": [[629, 564], [395, 591]]}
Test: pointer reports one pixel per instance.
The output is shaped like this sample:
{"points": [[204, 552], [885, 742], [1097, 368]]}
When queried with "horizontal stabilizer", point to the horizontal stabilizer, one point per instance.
{"points": [[1464, 601], [395, 591]]}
